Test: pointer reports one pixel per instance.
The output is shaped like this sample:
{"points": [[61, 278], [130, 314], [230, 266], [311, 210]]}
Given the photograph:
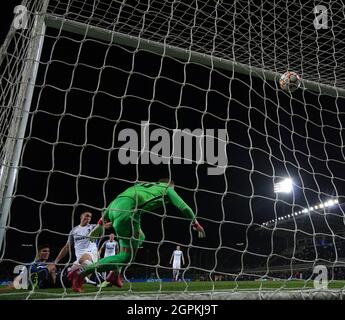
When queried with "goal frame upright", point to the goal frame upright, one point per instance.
{"points": [[16, 132]]}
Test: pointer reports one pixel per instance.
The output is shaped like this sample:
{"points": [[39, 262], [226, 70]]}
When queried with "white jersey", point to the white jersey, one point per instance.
{"points": [[79, 238], [111, 247], [177, 254]]}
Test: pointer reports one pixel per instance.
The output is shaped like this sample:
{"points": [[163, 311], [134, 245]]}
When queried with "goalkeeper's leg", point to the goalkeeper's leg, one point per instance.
{"points": [[130, 237], [127, 227], [129, 248], [114, 263]]}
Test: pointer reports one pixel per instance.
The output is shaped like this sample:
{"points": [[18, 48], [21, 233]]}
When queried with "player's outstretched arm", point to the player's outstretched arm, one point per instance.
{"points": [[65, 249], [98, 230]]}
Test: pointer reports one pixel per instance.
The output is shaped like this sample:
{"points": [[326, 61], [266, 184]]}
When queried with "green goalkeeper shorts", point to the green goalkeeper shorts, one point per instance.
{"points": [[126, 222]]}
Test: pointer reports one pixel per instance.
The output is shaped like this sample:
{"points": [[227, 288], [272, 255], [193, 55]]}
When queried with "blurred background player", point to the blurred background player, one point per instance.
{"points": [[111, 248], [175, 260], [125, 212], [86, 251]]}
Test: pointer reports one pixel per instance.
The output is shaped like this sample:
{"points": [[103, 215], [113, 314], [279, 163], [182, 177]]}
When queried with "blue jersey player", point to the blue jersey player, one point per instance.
{"points": [[42, 272]]}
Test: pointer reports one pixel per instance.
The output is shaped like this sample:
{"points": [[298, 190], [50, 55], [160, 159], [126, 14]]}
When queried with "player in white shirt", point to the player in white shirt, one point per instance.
{"points": [[175, 260], [111, 248], [85, 250]]}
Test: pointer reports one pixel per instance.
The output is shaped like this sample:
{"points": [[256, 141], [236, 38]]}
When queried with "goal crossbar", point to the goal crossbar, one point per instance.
{"points": [[159, 48]]}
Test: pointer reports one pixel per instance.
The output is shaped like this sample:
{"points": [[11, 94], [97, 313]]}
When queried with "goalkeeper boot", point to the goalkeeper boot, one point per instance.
{"points": [[118, 281], [115, 279], [77, 280]]}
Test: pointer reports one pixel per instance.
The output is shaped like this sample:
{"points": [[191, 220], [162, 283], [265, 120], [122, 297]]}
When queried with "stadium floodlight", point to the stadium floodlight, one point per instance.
{"points": [[331, 202], [284, 186], [328, 203]]}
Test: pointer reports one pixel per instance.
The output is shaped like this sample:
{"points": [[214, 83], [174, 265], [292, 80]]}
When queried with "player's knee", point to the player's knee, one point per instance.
{"points": [[85, 259]]}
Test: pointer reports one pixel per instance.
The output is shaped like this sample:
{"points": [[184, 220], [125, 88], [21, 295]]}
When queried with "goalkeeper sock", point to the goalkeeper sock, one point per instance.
{"points": [[108, 263]]}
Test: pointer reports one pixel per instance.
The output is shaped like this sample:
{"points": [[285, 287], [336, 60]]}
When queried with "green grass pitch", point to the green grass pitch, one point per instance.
{"points": [[166, 287]]}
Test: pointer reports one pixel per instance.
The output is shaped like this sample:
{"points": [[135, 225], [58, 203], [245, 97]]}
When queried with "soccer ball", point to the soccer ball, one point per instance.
{"points": [[290, 81]]}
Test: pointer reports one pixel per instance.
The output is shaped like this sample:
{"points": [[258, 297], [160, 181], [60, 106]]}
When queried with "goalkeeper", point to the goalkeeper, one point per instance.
{"points": [[125, 213]]}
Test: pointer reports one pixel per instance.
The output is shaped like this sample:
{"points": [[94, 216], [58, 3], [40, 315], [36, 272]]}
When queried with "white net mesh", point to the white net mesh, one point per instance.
{"points": [[273, 35], [90, 92]]}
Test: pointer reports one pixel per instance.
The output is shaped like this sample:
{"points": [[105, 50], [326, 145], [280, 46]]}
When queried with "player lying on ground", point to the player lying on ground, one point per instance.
{"points": [[125, 214], [41, 273], [86, 251]]}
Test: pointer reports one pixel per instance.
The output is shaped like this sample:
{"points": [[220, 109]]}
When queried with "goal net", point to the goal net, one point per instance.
{"points": [[99, 95]]}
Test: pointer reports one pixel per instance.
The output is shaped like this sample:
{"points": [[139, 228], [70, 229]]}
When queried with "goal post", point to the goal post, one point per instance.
{"points": [[94, 95], [20, 109]]}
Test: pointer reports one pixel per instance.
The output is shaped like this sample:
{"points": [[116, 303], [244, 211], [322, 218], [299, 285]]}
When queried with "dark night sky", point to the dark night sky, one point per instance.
{"points": [[70, 153]]}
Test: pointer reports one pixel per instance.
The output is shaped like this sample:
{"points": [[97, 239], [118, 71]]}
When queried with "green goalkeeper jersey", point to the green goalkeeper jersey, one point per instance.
{"points": [[150, 196]]}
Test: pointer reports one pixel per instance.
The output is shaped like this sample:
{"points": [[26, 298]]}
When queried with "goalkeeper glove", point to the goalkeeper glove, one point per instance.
{"points": [[98, 230], [106, 224], [197, 227]]}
